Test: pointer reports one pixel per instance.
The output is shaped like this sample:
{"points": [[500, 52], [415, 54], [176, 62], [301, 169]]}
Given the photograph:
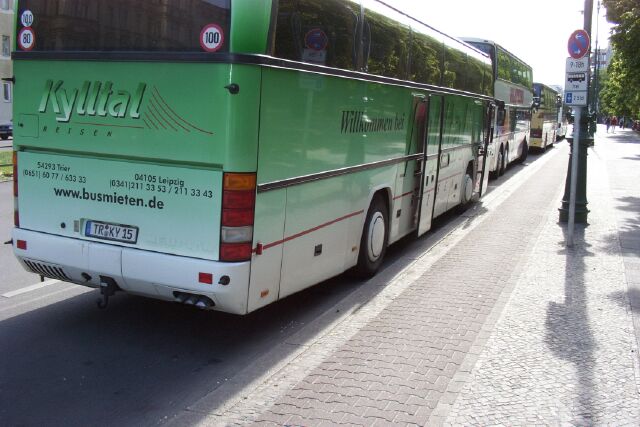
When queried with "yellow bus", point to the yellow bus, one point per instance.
{"points": [[544, 120]]}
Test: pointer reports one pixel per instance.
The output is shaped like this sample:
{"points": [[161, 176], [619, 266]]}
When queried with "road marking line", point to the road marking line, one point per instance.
{"points": [[39, 298], [31, 288]]}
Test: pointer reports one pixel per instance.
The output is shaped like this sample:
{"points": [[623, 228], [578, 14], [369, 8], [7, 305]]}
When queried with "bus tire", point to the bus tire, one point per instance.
{"points": [[375, 236], [525, 151], [466, 192], [503, 161], [496, 173]]}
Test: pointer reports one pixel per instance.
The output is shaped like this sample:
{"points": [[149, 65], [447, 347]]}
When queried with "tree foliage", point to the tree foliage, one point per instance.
{"points": [[621, 92]]}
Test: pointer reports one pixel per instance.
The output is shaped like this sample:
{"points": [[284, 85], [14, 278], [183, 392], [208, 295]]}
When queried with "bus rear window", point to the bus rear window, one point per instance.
{"points": [[123, 25]]}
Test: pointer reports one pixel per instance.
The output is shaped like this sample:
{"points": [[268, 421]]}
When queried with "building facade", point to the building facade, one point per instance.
{"points": [[6, 66], [601, 58]]}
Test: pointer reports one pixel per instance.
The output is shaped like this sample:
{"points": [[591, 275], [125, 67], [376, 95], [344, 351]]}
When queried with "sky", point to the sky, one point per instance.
{"points": [[535, 31]]}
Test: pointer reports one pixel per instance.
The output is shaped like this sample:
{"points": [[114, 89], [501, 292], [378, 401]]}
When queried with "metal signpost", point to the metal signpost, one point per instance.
{"points": [[575, 87]]}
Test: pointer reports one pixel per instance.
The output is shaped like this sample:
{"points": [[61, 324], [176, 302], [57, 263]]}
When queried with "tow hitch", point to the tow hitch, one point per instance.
{"points": [[108, 287]]}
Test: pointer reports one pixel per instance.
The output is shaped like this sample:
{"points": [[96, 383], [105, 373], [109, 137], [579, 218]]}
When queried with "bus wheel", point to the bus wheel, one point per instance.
{"points": [[507, 158], [467, 189], [525, 151], [502, 162], [496, 173], [373, 244]]}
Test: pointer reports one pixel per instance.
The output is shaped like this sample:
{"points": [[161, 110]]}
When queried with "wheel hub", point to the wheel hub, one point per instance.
{"points": [[468, 188], [376, 236]]}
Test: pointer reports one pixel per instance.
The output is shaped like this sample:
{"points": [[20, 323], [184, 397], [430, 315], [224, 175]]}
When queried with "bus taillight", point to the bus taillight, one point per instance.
{"points": [[235, 252], [238, 209], [16, 216]]}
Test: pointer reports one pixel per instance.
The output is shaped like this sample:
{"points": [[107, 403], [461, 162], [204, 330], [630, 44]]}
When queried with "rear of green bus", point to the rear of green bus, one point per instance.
{"points": [[136, 145]]}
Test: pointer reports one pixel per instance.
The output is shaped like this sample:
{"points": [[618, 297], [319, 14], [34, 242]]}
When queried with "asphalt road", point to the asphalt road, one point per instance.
{"points": [[140, 362], [6, 144], [12, 275]]}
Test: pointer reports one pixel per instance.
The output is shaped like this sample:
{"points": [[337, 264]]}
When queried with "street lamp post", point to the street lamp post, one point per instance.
{"points": [[585, 140]]}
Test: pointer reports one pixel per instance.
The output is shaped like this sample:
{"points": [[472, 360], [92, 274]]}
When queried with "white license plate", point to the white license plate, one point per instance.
{"points": [[114, 232]]}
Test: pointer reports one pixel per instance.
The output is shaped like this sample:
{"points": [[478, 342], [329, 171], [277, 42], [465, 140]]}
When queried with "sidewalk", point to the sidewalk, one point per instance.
{"points": [[498, 324]]}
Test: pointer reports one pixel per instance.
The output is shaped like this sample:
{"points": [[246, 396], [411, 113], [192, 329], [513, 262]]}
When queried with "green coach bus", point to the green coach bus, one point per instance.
{"points": [[228, 153]]}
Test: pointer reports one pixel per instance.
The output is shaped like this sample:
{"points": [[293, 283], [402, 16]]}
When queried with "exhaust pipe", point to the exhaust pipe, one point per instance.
{"points": [[200, 301], [204, 303]]}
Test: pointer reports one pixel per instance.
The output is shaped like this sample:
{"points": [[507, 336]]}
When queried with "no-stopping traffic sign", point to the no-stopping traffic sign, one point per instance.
{"points": [[578, 45]]}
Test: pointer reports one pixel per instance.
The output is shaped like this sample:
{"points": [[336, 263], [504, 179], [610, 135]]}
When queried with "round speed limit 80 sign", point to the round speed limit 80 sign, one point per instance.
{"points": [[211, 38], [26, 38]]}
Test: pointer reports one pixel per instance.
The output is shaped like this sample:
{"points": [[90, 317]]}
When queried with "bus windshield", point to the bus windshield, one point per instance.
{"points": [[537, 90], [126, 25], [484, 47]]}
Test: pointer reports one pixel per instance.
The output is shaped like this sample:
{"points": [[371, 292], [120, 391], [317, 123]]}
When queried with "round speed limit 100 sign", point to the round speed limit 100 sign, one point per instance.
{"points": [[26, 38], [26, 18], [211, 38]]}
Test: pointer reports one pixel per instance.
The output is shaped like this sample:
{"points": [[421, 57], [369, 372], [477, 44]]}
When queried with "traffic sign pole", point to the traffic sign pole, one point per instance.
{"points": [[574, 178], [574, 202]]}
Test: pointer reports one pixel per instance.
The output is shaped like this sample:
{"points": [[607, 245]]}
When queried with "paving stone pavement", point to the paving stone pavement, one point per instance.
{"points": [[504, 326], [564, 350], [398, 366]]}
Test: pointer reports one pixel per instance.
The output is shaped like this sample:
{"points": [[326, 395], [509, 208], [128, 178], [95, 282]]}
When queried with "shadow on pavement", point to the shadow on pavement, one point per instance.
{"points": [[630, 203], [628, 234], [569, 335], [627, 240], [630, 298], [623, 137], [140, 361]]}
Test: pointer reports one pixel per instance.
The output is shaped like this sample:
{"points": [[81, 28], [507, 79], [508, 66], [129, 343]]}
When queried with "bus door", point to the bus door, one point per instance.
{"points": [[409, 177], [446, 134], [482, 177], [432, 144]]}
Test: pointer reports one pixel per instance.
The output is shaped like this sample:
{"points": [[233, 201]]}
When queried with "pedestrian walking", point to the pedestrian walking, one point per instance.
{"points": [[607, 122], [614, 123]]}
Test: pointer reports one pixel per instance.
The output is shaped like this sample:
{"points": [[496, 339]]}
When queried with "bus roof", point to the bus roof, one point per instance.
{"points": [[551, 88], [456, 41], [491, 42]]}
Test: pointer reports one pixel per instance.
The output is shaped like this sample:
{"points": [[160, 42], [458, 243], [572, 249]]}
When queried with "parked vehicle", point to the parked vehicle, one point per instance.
{"points": [[270, 167], [6, 130]]}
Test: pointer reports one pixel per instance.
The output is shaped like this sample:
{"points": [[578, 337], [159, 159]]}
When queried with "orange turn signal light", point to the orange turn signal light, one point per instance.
{"points": [[239, 181]]}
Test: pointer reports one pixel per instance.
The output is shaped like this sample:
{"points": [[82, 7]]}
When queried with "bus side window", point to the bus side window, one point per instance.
{"points": [[425, 56], [501, 116], [322, 33], [474, 75], [386, 45], [455, 68]]}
